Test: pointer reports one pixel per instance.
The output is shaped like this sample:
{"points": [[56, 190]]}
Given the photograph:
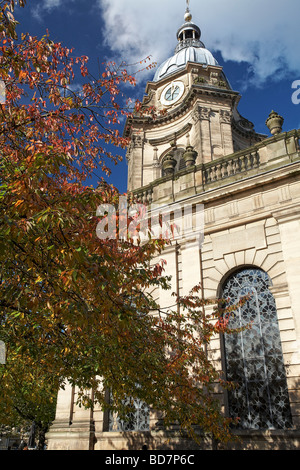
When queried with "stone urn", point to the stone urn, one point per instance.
{"points": [[274, 123], [169, 164], [190, 156]]}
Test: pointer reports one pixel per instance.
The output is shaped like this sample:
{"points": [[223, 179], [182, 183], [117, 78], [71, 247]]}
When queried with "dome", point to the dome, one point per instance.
{"points": [[178, 61], [189, 49]]}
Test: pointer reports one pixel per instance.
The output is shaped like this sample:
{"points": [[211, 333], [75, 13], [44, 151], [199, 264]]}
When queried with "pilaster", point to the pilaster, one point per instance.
{"points": [[73, 427], [206, 146], [288, 220], [226, 131], [136, 156]]}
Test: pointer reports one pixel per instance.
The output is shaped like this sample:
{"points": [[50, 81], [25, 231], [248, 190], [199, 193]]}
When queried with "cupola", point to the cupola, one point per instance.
{"points": [[189, 49]]}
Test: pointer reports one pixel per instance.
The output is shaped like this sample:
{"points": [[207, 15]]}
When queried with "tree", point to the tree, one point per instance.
{"points": [[28, 396], [73, 306]]}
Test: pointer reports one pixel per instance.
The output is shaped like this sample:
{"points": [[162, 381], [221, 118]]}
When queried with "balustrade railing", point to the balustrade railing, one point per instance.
{"points": [[143, 195], [218, 170], [211, 172], [230, 166]]}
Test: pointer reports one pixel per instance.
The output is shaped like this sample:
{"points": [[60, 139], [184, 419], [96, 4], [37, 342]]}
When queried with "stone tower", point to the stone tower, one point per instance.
{"points": [[200, 150], [198, 108]]}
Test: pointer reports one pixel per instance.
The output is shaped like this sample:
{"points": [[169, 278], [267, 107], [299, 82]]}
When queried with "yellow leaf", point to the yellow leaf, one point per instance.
{"points": [[19, 202], [22, 75]]}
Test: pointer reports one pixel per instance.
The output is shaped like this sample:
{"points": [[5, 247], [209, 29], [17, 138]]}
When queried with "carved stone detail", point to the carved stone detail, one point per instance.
{"points": [[225, 116], [137, 141], [201, 114], [204, 113]]}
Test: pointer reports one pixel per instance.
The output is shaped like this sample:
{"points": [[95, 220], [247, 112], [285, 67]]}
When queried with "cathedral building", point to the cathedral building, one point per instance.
{"points": [[201, 152]]}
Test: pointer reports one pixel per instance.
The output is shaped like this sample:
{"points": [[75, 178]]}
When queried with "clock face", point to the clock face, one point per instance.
{"points": [[172, 93]]}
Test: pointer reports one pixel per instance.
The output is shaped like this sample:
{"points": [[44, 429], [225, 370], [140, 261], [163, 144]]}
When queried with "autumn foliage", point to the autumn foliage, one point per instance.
{"points": [[73, 306]]}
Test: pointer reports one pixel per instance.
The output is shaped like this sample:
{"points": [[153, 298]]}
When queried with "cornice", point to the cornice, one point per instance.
{"points": [[182, 109], [246, 133], [287, 214], [179, 73]]}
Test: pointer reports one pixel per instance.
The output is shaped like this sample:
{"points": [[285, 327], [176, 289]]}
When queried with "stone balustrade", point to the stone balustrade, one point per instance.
{"points": [[227, 167], [271, 153]]}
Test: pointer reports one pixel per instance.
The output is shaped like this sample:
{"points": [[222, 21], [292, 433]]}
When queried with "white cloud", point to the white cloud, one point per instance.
{"points": [[136, 29], [46, 7], [49, 4], [265, 34]]}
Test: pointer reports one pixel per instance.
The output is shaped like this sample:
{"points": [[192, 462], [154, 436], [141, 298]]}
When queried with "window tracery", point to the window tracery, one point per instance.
{"points": [[137, 419], [253, 357]]}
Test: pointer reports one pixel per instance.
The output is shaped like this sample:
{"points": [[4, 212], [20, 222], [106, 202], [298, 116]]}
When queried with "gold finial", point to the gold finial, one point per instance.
{"points": [[188, 15]]}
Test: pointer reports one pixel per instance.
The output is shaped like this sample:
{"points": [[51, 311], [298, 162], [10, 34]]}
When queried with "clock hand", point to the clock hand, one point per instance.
{"points": [[175, 92], [172, 89]]}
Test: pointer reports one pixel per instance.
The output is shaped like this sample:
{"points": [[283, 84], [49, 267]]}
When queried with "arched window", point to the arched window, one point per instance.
{"points": [[138, 419], [253, 357]]}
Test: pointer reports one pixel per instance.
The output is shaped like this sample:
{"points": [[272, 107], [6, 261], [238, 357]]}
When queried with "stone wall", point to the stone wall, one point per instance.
{"points": [[252, 218]]}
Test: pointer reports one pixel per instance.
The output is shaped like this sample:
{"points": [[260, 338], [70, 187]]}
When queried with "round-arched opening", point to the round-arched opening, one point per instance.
{"points": [[253, 357]]}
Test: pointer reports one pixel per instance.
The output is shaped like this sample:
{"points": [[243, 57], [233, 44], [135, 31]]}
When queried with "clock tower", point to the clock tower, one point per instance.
{"points": [[196, 108]]}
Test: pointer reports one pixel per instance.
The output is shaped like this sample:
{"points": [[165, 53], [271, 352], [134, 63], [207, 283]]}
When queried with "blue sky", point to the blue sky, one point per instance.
{"points": [[257, 43]]}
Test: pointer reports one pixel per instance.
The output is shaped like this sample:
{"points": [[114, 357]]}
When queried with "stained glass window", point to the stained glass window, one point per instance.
{"points": [[135, 420], [253, 357]]}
